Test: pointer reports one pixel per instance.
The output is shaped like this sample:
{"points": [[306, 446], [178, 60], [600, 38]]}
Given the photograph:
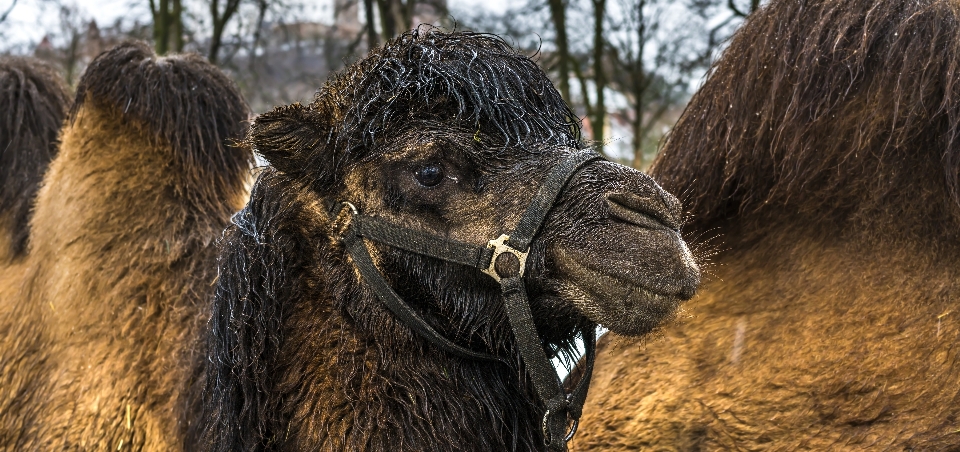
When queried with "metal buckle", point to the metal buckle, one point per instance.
{"points": [[340, 227], [500, 246]]}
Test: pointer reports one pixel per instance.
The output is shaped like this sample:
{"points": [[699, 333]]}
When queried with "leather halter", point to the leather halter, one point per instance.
{"points": [[504, 259]]}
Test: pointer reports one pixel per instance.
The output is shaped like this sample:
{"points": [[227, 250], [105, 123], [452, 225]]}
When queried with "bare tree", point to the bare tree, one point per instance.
{"points": [[393, 16], [72, 26], [371, 24], [262, 7], [590, 67], [219, 19], [63, 46], [653, 67], [598, 118], [558, 15]]}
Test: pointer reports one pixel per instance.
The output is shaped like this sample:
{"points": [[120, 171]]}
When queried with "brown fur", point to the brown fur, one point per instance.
{"points": [[100, 321], [303, 355], [824, 151], [33, 104]]}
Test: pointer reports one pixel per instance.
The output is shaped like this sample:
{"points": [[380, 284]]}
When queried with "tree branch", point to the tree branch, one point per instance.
{"points": [[7, 12], [219, 24], [733, 7], [578, 73]]}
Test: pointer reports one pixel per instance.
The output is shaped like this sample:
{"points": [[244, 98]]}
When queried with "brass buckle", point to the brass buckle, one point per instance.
{"points": [[500, 246]]}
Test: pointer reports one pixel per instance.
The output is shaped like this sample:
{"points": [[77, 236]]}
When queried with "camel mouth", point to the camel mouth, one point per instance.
{"points": [[624, 302]]}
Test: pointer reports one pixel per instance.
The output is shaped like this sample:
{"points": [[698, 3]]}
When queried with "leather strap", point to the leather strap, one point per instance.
{"points": [[546, 196], [561, 407], [372, 276]]}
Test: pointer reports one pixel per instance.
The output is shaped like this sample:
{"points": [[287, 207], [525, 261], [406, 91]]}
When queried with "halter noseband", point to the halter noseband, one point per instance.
{"points": [[504, 259]]}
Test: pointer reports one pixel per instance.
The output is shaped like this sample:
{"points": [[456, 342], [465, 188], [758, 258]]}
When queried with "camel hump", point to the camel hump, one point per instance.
{"points": [[34, 101], [185, 101], [852, 112]]}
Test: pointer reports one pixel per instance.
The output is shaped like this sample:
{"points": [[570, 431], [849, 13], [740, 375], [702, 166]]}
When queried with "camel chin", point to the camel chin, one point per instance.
{"points": [[636, 283]]}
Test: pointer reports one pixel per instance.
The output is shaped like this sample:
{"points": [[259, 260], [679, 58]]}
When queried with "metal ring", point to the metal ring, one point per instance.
{"points": [[573, 430], [546, 431], [353, 208], [499, 246], [543, 427], [338, 228]]}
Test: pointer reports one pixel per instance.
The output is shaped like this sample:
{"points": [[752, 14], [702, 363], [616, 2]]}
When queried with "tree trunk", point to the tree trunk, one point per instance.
{"points": [[161, 28], [177, 26], [262, 6], [408, 11], [167, 26], [371, 26], [388, 26], [599, 76], [636, 126], [558, 15], [219, 25], [640, 84]]}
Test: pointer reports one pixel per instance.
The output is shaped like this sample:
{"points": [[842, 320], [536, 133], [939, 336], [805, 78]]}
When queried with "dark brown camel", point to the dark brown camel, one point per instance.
{"points": [[448, 135], [33, 103], [99, 322], [824, 153]]}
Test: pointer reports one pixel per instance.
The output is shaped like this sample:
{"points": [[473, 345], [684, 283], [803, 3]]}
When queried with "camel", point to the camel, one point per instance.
{"points": [[34, 101], [100, 321], [367, 296], [820, 160]]}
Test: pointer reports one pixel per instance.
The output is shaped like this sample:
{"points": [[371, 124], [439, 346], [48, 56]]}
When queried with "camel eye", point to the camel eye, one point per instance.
{"points": [[429, 175]]}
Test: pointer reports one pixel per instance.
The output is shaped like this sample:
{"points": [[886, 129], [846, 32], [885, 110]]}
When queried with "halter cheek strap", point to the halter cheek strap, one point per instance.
{"points": [[504, 259]]}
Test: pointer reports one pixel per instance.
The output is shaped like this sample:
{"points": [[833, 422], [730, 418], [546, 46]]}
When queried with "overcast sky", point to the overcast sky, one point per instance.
{"points": [[31, 18]]}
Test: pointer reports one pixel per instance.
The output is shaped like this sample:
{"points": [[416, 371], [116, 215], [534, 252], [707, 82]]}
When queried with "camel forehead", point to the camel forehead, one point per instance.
{"points": [[476, 82]]}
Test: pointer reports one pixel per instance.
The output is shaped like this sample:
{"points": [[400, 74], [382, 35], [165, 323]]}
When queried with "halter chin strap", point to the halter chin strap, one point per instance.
{"points": [[504, 259]]}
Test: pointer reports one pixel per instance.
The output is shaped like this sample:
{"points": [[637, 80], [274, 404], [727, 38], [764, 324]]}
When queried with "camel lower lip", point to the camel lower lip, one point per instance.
{"points": [[625, 307], [602, 284]]}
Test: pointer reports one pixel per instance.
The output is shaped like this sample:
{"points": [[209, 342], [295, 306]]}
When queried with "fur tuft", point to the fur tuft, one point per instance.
{"points": [[186, 102]]}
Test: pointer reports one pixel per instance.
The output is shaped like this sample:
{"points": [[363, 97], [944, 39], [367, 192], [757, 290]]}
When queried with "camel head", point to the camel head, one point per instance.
{"points": [[453, 135], [399, 182]]}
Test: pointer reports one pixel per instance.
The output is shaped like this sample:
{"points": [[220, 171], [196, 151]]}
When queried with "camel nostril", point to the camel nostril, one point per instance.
{"points": [[642, 211]]}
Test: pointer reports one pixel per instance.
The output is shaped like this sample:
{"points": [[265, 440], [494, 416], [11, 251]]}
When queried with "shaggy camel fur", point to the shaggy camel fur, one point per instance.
{"points": [[824, 151], [100, 320], [33, 101], [451, 134]]}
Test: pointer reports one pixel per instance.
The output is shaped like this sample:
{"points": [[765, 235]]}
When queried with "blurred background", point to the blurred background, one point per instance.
{"points": [[627, 67]]}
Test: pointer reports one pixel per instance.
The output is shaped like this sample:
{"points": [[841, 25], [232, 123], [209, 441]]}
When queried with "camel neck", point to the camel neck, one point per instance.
{"points": [[367, 394]]}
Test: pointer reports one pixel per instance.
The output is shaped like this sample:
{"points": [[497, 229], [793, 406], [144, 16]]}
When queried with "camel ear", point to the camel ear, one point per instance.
{"points": [[292, 138]]}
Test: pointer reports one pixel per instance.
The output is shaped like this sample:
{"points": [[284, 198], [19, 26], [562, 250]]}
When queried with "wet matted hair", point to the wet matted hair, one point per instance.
{"points": [[841, 115]]}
